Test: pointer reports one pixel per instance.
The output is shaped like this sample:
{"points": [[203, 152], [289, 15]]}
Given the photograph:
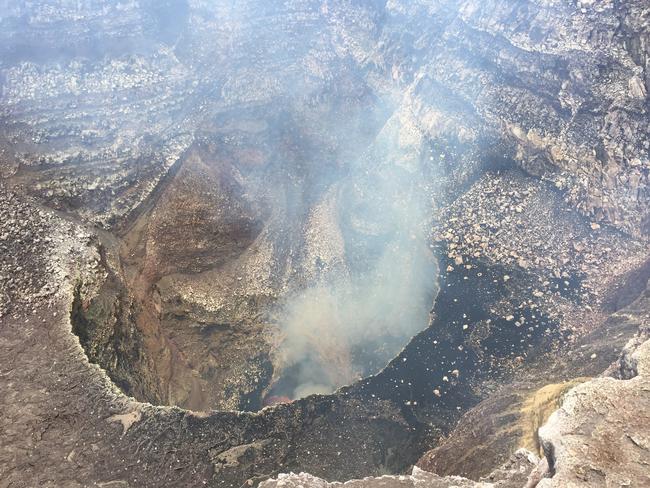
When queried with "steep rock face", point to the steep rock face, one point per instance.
{"points": [[578, 67], [472, 74], [600, 434]]}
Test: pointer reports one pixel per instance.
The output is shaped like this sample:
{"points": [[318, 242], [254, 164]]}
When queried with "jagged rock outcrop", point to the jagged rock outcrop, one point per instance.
{"points": [[513, 474], [600, 435]]}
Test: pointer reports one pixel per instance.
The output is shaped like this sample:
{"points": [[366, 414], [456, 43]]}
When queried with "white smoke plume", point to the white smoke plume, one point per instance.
{"points": [[358, 315]]}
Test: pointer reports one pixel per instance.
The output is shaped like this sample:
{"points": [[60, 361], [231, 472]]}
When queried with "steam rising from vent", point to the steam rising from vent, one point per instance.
{"points": [[374, 274]]}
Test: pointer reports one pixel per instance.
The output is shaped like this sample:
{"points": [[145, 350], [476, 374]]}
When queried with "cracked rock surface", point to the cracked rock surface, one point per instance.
{"points": [[600, 434]]}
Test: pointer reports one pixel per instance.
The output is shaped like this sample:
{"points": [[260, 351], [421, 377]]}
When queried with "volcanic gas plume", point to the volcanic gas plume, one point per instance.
{"points": [[368, 300]]}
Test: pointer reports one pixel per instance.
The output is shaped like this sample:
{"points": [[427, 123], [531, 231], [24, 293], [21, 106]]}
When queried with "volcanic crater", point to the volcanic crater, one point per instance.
{"points": [[345, 238]]}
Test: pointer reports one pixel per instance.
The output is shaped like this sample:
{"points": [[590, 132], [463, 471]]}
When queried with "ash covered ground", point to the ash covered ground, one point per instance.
{"points": [[244, 239]]}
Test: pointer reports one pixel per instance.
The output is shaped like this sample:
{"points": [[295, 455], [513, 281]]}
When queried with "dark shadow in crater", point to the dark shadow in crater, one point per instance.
{"points": [[438, 373]]}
